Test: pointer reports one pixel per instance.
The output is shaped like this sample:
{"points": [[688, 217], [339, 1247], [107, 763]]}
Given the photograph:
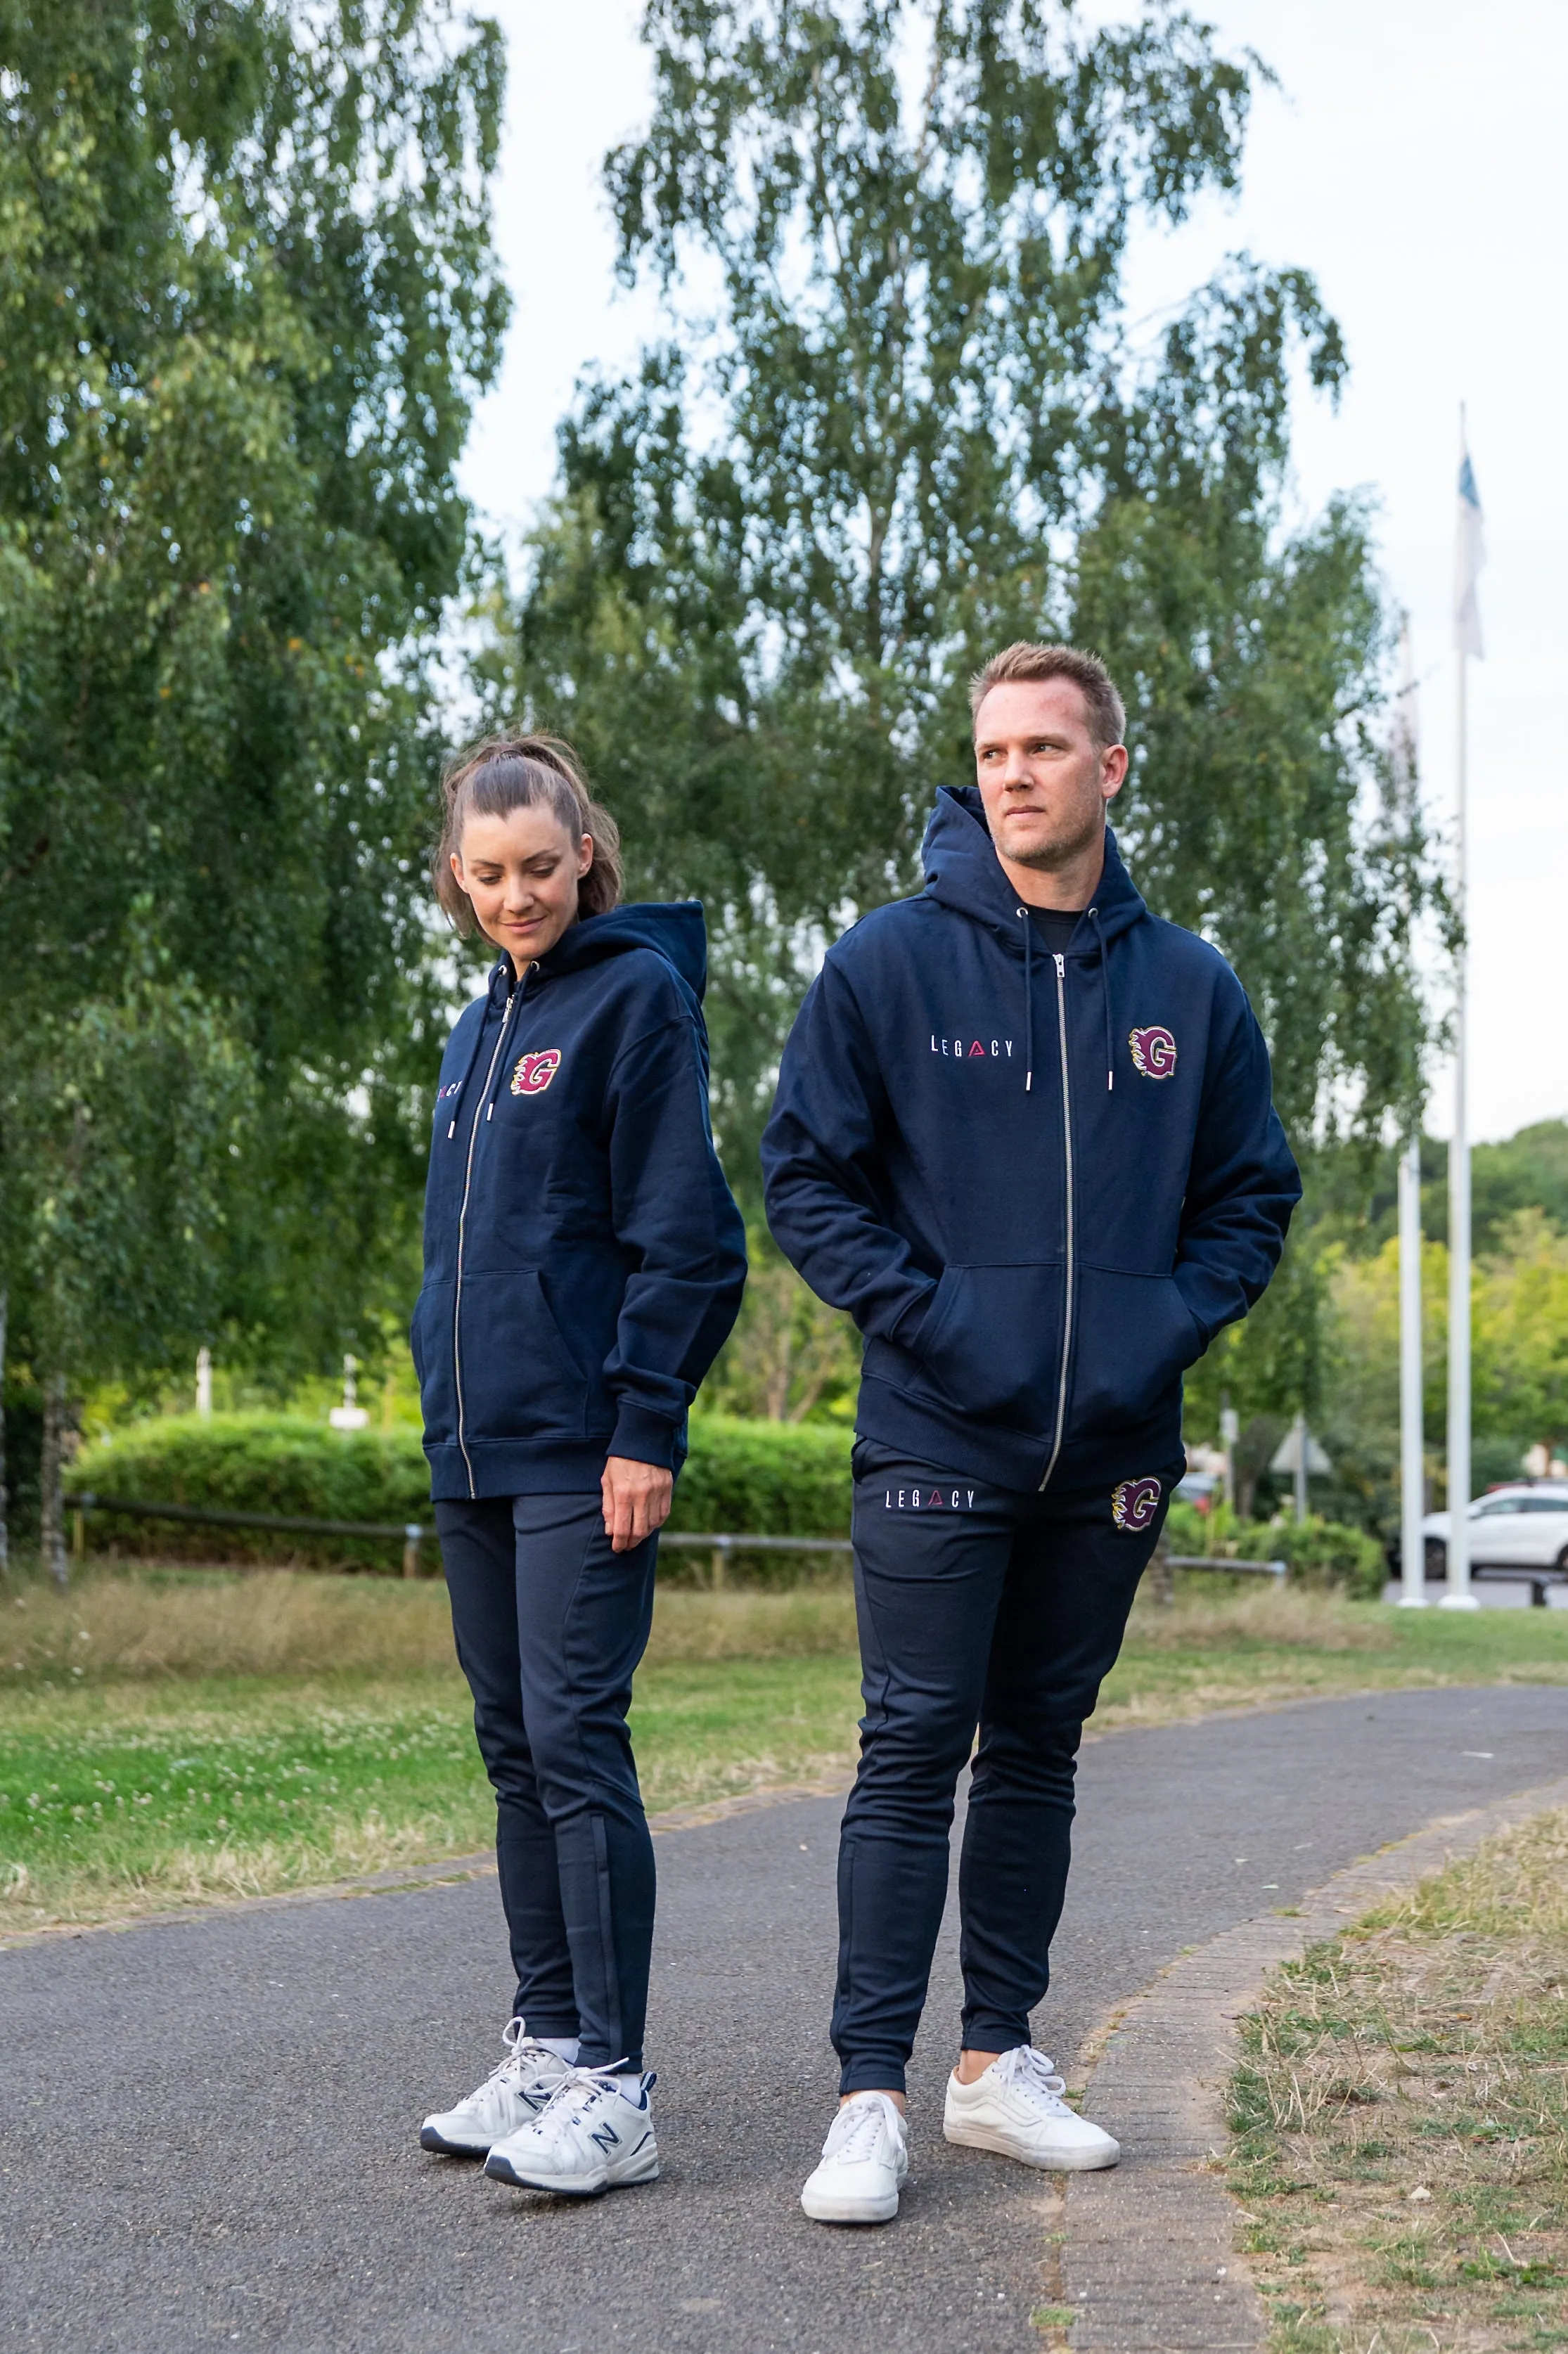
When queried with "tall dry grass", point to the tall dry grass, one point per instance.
{"points": [[131, 1625]]}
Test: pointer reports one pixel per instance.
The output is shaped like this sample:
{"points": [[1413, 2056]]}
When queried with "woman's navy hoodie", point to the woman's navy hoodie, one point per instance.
{"points": [[584, 1261], [1039, 1183]]}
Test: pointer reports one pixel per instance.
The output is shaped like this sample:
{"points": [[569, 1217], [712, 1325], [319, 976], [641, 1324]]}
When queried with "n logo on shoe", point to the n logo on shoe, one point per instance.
{"points": [[605, 2137]]}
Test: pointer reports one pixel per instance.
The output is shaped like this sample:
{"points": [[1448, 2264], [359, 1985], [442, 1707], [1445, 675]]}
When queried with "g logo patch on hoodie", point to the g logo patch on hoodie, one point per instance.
{"points": [[1153, 1052], [533, 1073], [1134, 1503]]}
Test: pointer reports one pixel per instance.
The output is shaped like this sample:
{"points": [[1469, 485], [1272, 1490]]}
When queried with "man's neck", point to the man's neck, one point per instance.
{"points": [[1067, 887]]}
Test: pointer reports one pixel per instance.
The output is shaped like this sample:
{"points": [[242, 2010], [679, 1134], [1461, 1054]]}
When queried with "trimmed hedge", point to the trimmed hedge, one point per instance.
{"points": [[752, 1478], [255, 1463]]}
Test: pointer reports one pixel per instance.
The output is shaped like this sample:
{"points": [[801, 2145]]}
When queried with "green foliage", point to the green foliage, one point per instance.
{"points": [[913, 428], [249, 300], [791, 1357], [1318, 1552], [255, 1463], [767, 1478]]}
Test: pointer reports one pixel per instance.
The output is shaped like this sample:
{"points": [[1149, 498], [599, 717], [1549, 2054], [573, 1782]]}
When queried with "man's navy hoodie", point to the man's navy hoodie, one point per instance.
{"points": [[1039, 1183], [584, 1261]]}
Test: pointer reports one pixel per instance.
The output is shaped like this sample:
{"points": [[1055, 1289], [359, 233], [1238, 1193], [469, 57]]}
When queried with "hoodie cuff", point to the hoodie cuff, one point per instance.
{"points": [[644, 1436]]}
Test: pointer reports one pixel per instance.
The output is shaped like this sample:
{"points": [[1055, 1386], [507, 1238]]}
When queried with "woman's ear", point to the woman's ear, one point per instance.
{"points": [[585, 856], [457, 872]]}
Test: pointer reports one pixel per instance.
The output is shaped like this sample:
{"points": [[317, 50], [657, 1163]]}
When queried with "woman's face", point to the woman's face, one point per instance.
{"points": [[521, 872]]}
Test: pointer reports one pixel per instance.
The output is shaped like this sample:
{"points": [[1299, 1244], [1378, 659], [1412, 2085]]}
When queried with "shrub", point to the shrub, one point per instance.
{"points": [[255, 1463], [763, 1478], [1327, 1553], [1319, 1551]]}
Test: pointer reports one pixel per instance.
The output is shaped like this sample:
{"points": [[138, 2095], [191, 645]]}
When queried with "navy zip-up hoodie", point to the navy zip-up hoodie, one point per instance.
{"points": [[584, 1261], [1039, 1184]]}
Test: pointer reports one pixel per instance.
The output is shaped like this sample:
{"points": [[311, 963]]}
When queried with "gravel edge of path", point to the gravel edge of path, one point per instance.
{"points": [[1148, 2258]]}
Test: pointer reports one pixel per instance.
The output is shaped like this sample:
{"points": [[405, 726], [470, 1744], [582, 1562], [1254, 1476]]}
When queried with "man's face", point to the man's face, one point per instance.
{"points": [[1042, 778]]}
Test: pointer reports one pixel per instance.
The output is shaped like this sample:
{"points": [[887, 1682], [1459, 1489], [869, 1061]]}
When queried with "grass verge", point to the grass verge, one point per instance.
{"points": [[176, 1736], [1401, 2117]]}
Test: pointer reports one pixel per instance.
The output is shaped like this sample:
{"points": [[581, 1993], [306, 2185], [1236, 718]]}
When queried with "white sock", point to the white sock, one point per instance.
{"points": [[565, 2047], [631, 2088]]}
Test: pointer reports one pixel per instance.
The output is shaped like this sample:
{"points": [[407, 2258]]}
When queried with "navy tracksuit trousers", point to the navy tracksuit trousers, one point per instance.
{"points": [[980, 1610], [550, 1625]]}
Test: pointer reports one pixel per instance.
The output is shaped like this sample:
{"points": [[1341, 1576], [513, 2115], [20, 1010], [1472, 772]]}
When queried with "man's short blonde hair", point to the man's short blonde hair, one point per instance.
{"points": [[1107, 711]]}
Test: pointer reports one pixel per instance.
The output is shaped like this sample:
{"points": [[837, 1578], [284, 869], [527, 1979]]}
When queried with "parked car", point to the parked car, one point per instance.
{"points": [[1522, 1527]]}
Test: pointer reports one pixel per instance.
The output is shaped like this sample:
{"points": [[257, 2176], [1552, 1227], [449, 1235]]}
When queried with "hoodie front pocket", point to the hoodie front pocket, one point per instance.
{"points": [[1135, 1337], [431, 1342], [519, 1379], [992, 1342]]}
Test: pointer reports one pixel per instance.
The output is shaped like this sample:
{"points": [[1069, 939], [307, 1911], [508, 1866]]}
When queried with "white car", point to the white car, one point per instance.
{"points": [[1519, 1531]]}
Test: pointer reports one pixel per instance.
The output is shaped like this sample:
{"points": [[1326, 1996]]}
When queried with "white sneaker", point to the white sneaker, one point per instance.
{"points": [[594, 2135], [510, 2097], [865, 2164], [1017, 2107]]}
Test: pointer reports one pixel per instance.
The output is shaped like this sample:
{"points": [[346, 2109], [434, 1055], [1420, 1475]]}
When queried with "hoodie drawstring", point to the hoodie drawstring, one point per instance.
{"points": [[472, 1052], [1094, 915], [1028, 1000]]}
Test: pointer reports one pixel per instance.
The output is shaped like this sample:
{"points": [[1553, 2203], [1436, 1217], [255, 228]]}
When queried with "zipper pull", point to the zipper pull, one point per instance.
{"points": [[1061, 964]]}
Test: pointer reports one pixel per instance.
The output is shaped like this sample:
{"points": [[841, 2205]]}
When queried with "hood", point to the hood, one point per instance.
{"points": [[963, 871], [674, 928]]}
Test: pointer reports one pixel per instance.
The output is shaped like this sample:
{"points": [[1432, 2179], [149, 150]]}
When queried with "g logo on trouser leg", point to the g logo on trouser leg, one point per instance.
{"points": [[1134, 1503]]}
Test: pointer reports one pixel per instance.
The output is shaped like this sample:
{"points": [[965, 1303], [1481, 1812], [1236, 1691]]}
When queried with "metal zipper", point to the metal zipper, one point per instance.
{"points": [[511, 998], [1061, 964]]}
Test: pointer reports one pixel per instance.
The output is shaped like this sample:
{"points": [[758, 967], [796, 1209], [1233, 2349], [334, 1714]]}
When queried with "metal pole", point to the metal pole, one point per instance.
{"points": [[1411, 1454], [1459, 1597], [1301, 1467]]}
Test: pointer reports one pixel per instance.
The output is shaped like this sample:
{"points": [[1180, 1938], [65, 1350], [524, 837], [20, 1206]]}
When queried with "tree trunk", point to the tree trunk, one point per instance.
{"points": [[5, 1513], [51, 1500]]}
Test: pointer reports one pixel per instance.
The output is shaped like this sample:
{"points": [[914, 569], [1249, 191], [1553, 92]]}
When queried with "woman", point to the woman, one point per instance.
{"points": [[583, 1263]]}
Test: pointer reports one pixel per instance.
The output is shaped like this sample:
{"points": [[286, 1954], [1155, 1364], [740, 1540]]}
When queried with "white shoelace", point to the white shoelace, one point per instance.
{"points": [[1032, 2074], [578, 2091], [855, 2129], [522, 2053]]}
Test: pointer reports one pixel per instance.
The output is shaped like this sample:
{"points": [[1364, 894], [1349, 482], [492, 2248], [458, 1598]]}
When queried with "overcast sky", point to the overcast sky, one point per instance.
{"points": [[1416, 159]]}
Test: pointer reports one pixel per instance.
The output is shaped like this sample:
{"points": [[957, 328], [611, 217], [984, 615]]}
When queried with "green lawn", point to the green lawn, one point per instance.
{"points": [[176, 1738]]}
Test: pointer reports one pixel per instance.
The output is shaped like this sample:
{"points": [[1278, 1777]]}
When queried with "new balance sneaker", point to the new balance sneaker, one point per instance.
{"points": [[510, 2097], [865, 2164], [595, 2133], [1017, 2107]]}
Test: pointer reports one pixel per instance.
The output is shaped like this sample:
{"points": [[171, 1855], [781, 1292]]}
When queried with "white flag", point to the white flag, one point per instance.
{"points": [[1469, 557]]}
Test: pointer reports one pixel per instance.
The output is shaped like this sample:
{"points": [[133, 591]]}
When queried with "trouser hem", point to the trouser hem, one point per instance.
{"points": [[988, 2032], [872, 2076]]}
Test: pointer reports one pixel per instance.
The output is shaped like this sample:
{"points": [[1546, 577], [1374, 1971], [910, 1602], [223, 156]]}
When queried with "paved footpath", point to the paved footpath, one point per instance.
{"points": [[209, 2127]]}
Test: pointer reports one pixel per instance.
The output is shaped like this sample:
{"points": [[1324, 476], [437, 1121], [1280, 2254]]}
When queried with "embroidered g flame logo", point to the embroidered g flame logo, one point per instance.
{"points": [[1153, 1052], [533, 1072], [1134, 1503]]}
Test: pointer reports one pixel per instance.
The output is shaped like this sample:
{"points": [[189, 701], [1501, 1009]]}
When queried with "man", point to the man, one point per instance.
{"points": [[1024, 1133]]}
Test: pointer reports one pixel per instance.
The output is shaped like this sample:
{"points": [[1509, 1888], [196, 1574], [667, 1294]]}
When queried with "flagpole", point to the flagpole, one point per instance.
{"points": [[1412, 1453], [1459, 1595]]}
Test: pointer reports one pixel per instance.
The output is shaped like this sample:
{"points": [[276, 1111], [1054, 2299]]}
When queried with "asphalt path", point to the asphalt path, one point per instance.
{"points": [[209, 2128]]}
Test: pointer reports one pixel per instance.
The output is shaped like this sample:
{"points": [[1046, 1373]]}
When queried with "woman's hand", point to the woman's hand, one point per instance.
{"points": [[637, 1499]]}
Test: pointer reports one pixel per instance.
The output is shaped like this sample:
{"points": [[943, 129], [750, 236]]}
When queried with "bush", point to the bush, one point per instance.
{"points": [[762, 1478], [1327, 1553], [1319, 1552], [255, 1463]]}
